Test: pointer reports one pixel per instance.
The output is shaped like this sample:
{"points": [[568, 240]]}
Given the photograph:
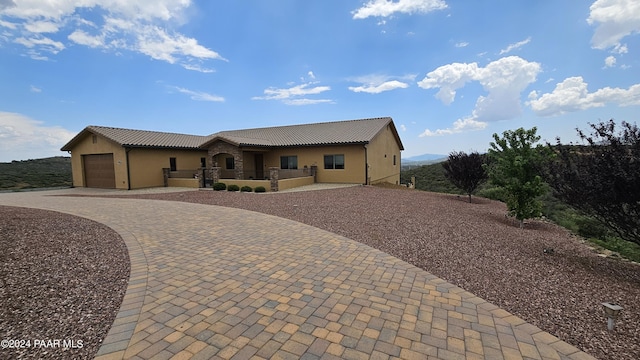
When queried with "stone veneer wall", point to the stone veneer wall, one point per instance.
{"points": [[221, 147]]}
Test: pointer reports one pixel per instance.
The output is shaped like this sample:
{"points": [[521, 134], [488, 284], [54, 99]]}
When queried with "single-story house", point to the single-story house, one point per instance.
{"points": [[365, 151]]}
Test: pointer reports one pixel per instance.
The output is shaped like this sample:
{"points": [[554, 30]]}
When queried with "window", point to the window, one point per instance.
{"points": [[94, 139], [394, 160], [334, 161], [288, 162], [230, 163], [172, 164], [203, 162]]}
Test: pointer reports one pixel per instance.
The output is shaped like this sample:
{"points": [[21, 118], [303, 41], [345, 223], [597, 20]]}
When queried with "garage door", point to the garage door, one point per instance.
{"points": [[99, 171]]}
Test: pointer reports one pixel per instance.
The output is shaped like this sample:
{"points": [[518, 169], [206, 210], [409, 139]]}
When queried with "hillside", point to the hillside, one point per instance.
{"points": [[36, 173]]}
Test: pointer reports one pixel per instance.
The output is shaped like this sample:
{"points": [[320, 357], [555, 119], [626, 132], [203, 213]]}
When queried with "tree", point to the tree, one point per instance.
{"points": [[601, 177], [465, 171], [515, 165]]}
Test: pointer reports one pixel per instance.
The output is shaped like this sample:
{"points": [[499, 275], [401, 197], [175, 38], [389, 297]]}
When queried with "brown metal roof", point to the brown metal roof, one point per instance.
{"points": [[141, 138], [328, 133]]}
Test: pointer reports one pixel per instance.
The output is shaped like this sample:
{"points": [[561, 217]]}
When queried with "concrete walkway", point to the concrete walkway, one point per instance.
{"points": [[209, 282]]}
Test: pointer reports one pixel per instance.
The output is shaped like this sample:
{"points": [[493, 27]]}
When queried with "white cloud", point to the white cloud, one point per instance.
{"points": [[300, 102], [43, 44], [460, 125], [42, 27], [462, 44], [35, 89], [199, 96], [515, 46], [134, 25], [614, 20], [384, 8], [295, 95], [22, 138], [198, 68], [82, 38], [503, 79], [572, 95], [403, 127], [9, 25], [376, 89], [610, 61], [311, 75]]}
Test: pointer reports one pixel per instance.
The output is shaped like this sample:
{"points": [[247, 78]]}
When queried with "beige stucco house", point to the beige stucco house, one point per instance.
{"points": [[365, 151]]}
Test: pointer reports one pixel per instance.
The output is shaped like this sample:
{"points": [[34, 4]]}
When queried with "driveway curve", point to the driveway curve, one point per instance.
{"points": [[210, 282]]}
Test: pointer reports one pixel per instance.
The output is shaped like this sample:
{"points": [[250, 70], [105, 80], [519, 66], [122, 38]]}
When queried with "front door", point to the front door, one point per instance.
{"points": [[259, 167]]}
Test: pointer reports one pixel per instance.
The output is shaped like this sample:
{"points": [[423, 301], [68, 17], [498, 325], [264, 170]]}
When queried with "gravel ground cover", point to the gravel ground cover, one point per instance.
{"points": [[62, 278], [477, 248]]}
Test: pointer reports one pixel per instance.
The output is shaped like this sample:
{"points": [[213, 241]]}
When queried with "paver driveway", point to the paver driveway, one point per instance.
{"points": [[214, 282]]}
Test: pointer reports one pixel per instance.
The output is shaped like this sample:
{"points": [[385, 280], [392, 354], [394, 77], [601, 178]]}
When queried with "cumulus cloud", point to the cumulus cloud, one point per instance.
{"points": [[572, 95], [610, 61], [296, 95], [515, 46], [385, 8], [460, 125], [503, 79], [134, 25], [23, 138], [614, 20]]}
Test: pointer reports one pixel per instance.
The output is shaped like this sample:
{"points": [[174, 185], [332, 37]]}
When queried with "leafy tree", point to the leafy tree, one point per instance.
{"points": [[514, 165], [601, 177], [465, 171]]}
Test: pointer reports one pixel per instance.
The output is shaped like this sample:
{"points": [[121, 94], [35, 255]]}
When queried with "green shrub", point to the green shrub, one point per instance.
{"points": [[246, 189], [233, 187], [260, 189], [219, 186], [493, 193]]}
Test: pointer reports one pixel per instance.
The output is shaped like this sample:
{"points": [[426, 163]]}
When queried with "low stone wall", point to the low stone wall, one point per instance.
{"points": [[179, 182], [285, 184]]}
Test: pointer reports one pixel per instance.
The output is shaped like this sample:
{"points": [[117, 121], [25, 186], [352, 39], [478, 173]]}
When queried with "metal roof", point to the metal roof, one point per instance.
{"points": [[328, 133], [141, 138]]}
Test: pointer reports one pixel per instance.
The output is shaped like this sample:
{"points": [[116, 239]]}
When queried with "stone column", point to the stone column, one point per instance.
{"points": [[273, 175], [314, 172], [215, 174], [165, 176]]}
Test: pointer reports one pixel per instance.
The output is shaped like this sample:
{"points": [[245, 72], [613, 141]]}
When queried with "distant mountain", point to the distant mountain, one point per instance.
{"points": [[420, 160], [425, 157]]}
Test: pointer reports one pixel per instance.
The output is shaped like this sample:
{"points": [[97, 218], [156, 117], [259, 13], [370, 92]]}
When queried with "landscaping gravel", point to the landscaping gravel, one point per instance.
{"points": [[64, 276], [474, 246], [62, 280]]}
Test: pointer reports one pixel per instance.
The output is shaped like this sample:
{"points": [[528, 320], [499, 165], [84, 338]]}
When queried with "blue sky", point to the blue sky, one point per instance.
{"points": [[450, 73]]}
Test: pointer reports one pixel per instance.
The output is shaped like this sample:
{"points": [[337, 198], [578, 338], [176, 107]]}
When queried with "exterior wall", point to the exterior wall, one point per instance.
{"points": [[86, 146], [380, 154], [145, 165], [354, 162], [190, 183]]}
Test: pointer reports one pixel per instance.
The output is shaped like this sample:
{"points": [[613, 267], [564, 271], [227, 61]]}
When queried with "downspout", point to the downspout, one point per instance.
{"points": [[366, 166], [126, 151]]}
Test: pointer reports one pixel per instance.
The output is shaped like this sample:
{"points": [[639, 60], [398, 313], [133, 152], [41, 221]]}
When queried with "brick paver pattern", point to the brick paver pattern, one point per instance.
{"points": [[210, 282]]}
